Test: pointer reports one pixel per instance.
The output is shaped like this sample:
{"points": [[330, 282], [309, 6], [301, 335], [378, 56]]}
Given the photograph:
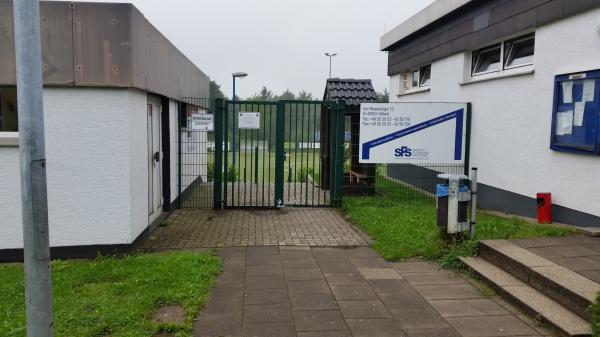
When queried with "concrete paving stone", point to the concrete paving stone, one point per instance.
{"points": [[362, 262], [308, 287], [221, 306], [345, 279], [431, 332], [228, 290], [364, 309], [267, 313], [221, 326], [438, 277], [392, 286], [281, 329], [425, 317], [379, 273], [374, 328], [262, 251], [339, 256], [338, 333], [578, 263], [491, 326], [266, 296], [415, 267], [593, 275], [264, 270], [303, 274], [318, 301], [265, 282], [338, 267], [573, 250], [297, 247], [448, 292], [237, 276], [257, 260], [296, 255], [595, 247], [300, 264], [517, 253], [412, 301], [344, 293], [473, 307], [577, 239], [545, 252], [532, 242], [362, 252], [322, 320]]}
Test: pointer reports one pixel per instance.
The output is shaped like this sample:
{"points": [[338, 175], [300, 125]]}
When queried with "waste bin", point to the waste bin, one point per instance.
{"points": [[442, 205]]}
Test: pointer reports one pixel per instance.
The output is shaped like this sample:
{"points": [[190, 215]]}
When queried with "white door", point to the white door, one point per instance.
{"points": [[155, 199]]}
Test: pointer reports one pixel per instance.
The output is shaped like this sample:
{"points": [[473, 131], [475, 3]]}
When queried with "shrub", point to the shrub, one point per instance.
{"points": [[231, 174], [302, 175], [596, 317]]}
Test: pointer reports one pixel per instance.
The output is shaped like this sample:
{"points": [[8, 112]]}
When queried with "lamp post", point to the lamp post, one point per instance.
{"points": [[235, 75], [330, 55]]}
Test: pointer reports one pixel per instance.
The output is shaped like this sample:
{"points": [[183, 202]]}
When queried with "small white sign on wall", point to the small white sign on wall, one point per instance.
{"points": [[249, 120], [202, 122]]}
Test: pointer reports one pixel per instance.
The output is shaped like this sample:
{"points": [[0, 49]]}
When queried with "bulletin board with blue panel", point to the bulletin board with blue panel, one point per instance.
{"points": [[576, 113]]}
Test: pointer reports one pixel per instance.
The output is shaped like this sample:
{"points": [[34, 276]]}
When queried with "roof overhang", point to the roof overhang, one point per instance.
{"points": [[422, 19]]}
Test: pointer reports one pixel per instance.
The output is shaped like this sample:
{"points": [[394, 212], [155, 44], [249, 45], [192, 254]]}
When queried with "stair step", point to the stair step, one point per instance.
{"points": [[565, 286], [529, 299]]}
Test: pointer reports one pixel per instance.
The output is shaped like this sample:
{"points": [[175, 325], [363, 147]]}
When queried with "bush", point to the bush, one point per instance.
{"points": [[596, 317], [231, 174], [210, 175], [302, 175]]}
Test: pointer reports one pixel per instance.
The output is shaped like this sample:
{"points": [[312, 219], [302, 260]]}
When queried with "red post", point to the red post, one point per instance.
{"points": [[544, 208]]}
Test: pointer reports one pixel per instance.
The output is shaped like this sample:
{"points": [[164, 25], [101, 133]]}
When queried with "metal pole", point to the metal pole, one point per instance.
{"points": [[473, 201], [34, 202], [330, 66], [233, 122]]}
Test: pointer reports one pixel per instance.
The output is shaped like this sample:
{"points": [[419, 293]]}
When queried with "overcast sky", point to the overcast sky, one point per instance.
{"points": [[281, 43]]}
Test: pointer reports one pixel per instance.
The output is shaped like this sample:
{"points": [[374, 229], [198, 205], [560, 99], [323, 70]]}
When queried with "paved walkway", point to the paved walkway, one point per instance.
{"points": [[578, 253], [334, 292], [318, 227]]}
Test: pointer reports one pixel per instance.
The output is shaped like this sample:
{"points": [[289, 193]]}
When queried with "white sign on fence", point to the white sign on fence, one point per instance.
{"points": [[249, 120], [202, 122], [417, 133]]}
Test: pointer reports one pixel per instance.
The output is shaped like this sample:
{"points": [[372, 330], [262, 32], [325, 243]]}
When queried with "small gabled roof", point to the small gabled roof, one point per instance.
{"points": [[351, 90]]}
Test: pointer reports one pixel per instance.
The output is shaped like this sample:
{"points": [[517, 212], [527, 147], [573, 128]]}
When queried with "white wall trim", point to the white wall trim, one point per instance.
{"points": [[9, 139]]}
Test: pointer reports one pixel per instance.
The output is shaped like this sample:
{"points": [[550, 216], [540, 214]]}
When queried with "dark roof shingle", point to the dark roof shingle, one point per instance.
{"points": [[352, 91]]}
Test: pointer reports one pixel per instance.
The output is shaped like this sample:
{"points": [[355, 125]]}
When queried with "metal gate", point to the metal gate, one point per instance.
{"points": [[264, 155]]}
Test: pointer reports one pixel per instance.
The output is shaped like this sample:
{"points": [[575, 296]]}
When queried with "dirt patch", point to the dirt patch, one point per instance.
{"points": [[171, 314]]}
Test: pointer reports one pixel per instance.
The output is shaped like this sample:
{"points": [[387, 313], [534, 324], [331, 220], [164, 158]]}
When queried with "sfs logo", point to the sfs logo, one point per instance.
{"points": [[404, 151]]}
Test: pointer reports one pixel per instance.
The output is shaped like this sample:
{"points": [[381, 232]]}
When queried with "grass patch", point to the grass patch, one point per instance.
{"points": [[596, 317], [114, 297], [403, 225]]}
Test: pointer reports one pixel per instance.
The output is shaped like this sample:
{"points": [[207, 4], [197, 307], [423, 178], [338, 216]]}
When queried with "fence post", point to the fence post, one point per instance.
{"points": [[279, 154], [218, 169], [180, 114], [338, 128], [468, 141]]}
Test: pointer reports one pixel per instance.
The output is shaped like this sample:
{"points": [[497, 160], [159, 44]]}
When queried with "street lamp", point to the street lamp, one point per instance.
{"points": [[235, 75], [330, 55]]}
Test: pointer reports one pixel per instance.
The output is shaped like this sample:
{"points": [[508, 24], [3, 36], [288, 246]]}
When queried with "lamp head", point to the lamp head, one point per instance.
{"points": [[239, 74]]}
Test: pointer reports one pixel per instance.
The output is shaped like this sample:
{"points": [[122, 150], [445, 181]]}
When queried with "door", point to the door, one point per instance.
{"points": [[154, 160]]}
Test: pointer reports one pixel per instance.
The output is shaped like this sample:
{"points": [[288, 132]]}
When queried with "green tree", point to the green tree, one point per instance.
{"points": [[263, 95], [286, 95], [215, 91], [383, 97], [304, 95]]}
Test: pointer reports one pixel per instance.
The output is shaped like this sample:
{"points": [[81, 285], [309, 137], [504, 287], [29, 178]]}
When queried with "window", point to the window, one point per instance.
{"points": [[519, 52], [487, 60], [417, 78], [425, 77], [8, 109], [506, 55]]}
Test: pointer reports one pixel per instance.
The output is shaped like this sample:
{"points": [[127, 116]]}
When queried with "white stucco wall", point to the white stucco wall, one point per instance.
{"points": [[174, 127], [512, 116], [97, 169]]}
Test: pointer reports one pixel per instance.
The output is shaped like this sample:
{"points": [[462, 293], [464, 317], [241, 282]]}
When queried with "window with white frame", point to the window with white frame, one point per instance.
{"points": [[8, 109], [509, 54], [417, 78]]}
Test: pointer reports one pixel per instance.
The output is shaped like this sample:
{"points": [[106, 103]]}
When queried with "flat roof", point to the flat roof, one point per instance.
{"points": [[422, 19]]}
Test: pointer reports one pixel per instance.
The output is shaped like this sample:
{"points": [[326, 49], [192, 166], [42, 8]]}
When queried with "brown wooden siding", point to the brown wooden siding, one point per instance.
{"points": [[476, 24]]}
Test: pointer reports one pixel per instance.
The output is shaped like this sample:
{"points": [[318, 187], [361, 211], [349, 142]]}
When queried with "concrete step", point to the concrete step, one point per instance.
{"points": [[529, 299], [566, 287]]}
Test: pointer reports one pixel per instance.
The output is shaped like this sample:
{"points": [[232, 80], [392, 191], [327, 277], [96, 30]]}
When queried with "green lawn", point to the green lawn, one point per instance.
{"points": [[302, 159], [405, 229], [113, 297]]}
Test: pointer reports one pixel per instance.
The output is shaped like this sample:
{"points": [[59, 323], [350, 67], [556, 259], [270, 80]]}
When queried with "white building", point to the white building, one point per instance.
{"points": [[507, 58], [112, 86]]}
